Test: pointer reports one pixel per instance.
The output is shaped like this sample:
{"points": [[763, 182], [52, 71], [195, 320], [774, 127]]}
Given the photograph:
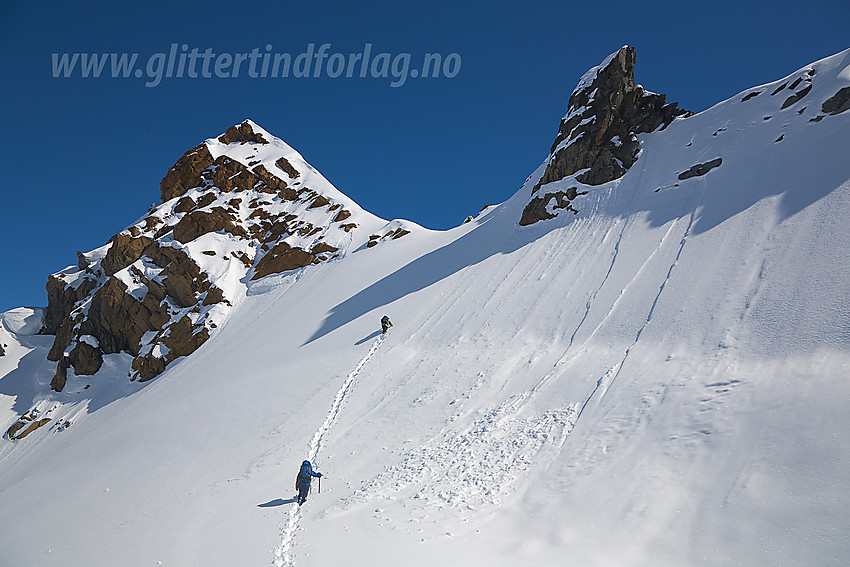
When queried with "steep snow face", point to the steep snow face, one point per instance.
{"points": [[657, 379]]}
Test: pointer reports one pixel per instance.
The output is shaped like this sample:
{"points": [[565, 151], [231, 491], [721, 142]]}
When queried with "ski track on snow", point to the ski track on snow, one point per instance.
{"points": [[611, 375], [283, 553]]}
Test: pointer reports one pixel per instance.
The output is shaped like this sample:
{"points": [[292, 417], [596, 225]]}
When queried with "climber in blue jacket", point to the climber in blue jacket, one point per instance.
{"points": [[302, 481]]}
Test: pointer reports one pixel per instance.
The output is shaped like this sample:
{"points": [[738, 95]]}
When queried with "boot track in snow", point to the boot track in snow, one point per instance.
{"points": [[283, 553]]}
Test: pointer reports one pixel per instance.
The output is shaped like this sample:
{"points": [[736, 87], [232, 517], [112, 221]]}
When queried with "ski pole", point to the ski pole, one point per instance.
{"points": [[320, 485]]}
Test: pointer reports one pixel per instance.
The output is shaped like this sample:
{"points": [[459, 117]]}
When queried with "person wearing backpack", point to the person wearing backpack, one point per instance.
{"points": [[385, 324], [302, 481]]}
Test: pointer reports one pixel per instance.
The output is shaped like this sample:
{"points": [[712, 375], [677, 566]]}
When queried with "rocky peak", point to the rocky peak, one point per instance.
{"points": [[235, 209], [597, 139]]}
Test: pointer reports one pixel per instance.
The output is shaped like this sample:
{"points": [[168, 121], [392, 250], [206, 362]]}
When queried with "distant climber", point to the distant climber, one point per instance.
{"points": [[385, 324], [302, 481]]}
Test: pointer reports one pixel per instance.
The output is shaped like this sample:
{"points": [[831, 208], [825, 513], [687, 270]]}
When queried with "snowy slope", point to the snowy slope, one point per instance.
{"points": [[660, 379]]}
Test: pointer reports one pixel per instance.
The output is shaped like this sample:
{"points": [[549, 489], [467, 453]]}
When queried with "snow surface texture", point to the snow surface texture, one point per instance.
{"points": [[660, 379]]}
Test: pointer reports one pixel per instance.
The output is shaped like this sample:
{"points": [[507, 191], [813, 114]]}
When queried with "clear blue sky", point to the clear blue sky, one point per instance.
{"points": [[82, 157]]}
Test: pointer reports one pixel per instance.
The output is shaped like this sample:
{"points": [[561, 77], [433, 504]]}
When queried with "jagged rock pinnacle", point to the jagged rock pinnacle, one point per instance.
{"points": [[597, 139]]}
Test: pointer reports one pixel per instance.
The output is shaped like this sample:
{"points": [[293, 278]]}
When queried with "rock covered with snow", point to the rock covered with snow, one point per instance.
{"points": [[597, 139]]}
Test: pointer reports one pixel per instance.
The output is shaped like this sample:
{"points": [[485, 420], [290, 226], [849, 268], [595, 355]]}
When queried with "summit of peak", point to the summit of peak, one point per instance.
{"points": [[597, 139], [245, 132], [620, 62]]}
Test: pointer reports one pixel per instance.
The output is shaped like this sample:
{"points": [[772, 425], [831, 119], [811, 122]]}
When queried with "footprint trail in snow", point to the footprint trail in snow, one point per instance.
{"points": [[283, 553]]}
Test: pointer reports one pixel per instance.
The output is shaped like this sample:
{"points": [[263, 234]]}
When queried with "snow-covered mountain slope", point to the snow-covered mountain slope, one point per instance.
{"points": [[656, 375]]}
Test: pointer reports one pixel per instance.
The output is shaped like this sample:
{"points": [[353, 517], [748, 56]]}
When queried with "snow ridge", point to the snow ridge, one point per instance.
{"points": [[283, 553]]}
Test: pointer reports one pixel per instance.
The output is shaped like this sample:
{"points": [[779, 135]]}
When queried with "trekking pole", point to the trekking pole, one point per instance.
{"points": [[320, 485]]}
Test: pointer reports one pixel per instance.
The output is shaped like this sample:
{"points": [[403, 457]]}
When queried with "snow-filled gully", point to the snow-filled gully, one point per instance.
{"points": [[282, 554]]}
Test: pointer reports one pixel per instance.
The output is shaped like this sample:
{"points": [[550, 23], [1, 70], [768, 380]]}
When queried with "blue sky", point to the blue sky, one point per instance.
{"points": [[82, 157]]}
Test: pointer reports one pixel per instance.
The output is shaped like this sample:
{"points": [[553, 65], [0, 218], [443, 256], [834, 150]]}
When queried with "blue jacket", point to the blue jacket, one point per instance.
{"points": [[304, 476]]}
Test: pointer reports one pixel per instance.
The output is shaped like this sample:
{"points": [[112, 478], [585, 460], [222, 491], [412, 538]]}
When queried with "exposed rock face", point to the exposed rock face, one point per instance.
{"points": [[185, 205], [118, 320], [2, 352], [198, 223], [393, 234], [284, 164], [124, 251], [29, 422], [837, 103], [82, 263], [319, 201], [61, 300], [598, 137], [180, 339], [537, 207], [60, 377], [183, 175], [282, 258], [700, 169], [796, 97], [243, 133], [322, 248], [85, 358], [25, 426]]}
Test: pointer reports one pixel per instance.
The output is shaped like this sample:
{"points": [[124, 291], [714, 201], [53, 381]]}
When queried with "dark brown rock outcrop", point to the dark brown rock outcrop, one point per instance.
{"points": [[274, 184], [26, 424], [319, 201], [284, 165], [118, 320], [282, 258], [243, 133], [124, 251], [61, 300], [184, 174], [198, 223], [322, 248], [185, 205], [179, 339], [599, 133], [57, 384], [85, 358]]}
